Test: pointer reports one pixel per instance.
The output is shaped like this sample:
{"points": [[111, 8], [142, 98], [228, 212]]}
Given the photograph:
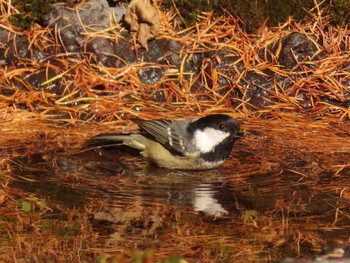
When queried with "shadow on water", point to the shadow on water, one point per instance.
{"points": [[131, 196]]}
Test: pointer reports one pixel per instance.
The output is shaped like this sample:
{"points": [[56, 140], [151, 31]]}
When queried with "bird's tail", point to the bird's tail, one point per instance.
{"points": [[113, 137], [135, 141], [106, 140]]}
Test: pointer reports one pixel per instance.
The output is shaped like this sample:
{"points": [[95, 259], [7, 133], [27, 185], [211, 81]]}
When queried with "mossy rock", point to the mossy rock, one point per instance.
{"points": [[32, 11]]}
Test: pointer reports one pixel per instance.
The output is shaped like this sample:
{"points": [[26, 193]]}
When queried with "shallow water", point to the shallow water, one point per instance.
{"points": [[269, 200]]}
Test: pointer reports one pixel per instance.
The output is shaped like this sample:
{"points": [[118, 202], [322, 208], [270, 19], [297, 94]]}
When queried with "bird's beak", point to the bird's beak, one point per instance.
{"points": [[239, 135]]}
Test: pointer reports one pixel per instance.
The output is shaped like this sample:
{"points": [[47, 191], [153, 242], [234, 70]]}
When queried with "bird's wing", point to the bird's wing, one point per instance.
{"points": [[169, 133]]}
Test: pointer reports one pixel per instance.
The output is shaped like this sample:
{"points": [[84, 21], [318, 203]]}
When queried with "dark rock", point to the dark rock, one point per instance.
{"points": [[103, 50], [228, 67], [298, 48], [150, 75], [95, 15], [258, 89], [21, 49], [292, 50], [74, 24], [4, 35], [36, 80], [17, 47], [6, 57], [163, 51]]}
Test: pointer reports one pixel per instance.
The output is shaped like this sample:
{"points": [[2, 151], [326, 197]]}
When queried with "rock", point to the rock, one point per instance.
{"points": [[74, 24], [297, 48]]}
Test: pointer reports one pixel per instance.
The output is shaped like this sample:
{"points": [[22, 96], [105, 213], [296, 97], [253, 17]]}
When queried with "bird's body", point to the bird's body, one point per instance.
{"points": [[195, 144]]}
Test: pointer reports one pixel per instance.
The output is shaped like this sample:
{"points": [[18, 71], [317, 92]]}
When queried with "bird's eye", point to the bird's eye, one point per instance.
{"points": [[221, 126]]}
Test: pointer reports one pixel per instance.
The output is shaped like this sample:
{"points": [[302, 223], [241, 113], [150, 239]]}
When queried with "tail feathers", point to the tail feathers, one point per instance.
{"points": [[112, 137], [135, 141]]}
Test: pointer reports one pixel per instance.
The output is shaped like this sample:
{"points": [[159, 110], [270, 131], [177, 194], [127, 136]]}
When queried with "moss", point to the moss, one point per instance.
{"points": [[254, 13], [340, 12], [31, 11], [190, 9]]}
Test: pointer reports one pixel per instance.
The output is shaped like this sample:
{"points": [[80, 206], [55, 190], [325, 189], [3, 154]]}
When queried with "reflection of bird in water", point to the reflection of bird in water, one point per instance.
{"points": [[204, 201]]}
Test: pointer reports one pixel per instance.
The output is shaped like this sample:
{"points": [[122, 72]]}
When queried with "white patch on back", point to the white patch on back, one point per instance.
{"points": [[208, 139]]}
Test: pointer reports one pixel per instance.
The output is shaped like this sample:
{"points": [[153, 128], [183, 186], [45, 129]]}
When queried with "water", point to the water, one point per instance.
{"points": [[112, 203]]}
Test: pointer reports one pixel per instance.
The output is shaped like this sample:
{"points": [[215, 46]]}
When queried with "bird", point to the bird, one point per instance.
{"points": [[191, 144]]}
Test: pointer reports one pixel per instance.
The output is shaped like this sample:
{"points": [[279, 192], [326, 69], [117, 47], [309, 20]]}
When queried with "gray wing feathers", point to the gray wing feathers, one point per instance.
{"points": [[158, 129], [167, 132]]}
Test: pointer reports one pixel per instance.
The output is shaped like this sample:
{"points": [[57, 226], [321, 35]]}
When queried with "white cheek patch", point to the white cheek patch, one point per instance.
{"points": [[208, 139]]}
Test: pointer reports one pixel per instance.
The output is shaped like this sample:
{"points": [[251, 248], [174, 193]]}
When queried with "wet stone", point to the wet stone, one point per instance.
{"points": [[6, 58], [150, 75], [297, 48], [93, 14], [158, 96], [225, 64], [257, 89], [103, 50], [71, 39], [38, 78], [163, 51]]}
